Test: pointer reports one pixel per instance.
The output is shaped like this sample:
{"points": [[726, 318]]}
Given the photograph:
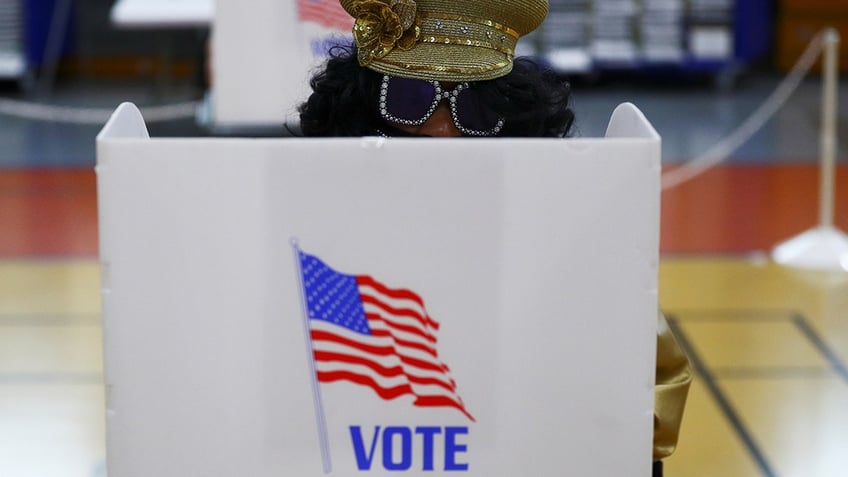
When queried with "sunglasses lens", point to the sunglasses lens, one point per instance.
{"points": [[409, 99], [473, 114]]}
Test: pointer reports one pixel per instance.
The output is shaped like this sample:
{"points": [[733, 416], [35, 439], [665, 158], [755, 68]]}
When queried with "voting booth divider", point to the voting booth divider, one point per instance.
{"points": [[371, 306]]}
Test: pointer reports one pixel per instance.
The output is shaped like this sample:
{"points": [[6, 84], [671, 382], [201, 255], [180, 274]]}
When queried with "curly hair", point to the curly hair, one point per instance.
{"points": [[532, 100]]}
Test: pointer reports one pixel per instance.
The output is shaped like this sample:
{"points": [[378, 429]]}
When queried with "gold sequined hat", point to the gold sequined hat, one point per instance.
{"points": [[444, 40]]}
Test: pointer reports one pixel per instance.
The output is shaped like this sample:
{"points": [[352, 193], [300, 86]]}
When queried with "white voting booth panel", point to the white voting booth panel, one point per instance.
{"points": [[263, 54], [537, 259]]}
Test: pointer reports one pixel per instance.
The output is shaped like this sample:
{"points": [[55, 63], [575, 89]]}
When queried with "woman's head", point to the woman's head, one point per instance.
{"points": [[437, 67], [531, 101]]}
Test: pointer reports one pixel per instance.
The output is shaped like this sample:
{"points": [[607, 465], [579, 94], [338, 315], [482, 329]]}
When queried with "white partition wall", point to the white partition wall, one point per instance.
{"points": [[296, 307], [263, 53]]}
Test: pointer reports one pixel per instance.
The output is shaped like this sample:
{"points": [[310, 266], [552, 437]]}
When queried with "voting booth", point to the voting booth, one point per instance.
{"points": [[371, 306]]}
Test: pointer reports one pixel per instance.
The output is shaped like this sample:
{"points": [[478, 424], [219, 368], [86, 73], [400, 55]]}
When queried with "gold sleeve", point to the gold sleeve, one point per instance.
{"points": [[674, 375]]}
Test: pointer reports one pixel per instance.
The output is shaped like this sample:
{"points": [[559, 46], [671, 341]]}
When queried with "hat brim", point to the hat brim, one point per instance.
{"points": [[456, 63]]}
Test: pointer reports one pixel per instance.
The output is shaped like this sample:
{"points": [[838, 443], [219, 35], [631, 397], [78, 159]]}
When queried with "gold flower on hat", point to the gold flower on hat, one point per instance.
{"points": [[382, 25]]}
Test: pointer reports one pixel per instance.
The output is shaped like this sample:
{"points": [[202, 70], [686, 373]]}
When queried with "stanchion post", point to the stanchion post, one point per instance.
{"points": [[824, 247], [830, 75]]}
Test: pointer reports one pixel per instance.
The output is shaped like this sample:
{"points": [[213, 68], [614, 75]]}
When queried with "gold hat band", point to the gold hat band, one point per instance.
{"points": [[469, 19], [448, 29], [446, 40]]}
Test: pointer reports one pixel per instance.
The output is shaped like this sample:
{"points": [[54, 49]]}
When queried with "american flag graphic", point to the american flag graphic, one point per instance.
{"points": [[367, 333], [327, 13]]}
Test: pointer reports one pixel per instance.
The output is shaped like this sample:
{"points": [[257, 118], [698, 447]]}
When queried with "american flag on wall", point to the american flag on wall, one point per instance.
{"points": [[367, 333], [327, 13]]}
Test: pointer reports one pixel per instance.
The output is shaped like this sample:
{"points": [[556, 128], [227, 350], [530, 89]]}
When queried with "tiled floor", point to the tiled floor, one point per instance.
{"points": [[770, 345]]}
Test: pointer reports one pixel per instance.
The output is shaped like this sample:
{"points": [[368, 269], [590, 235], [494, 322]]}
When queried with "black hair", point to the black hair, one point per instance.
{"points": [[532, 100]]}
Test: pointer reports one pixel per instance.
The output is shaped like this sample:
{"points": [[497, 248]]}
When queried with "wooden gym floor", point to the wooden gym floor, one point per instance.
{"points": [[770, 345]]}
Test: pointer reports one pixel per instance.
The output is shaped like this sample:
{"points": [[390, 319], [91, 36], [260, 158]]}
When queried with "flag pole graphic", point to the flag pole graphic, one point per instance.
{"points": [[316, 389]]}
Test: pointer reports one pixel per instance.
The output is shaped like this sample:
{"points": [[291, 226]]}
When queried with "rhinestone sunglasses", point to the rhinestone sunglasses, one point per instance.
{"points": [[411, 102]]}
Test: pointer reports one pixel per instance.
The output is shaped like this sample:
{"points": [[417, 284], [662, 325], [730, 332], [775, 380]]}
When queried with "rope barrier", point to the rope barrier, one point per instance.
{"points": [[95, 116], [717, 154], [722, 150]]}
